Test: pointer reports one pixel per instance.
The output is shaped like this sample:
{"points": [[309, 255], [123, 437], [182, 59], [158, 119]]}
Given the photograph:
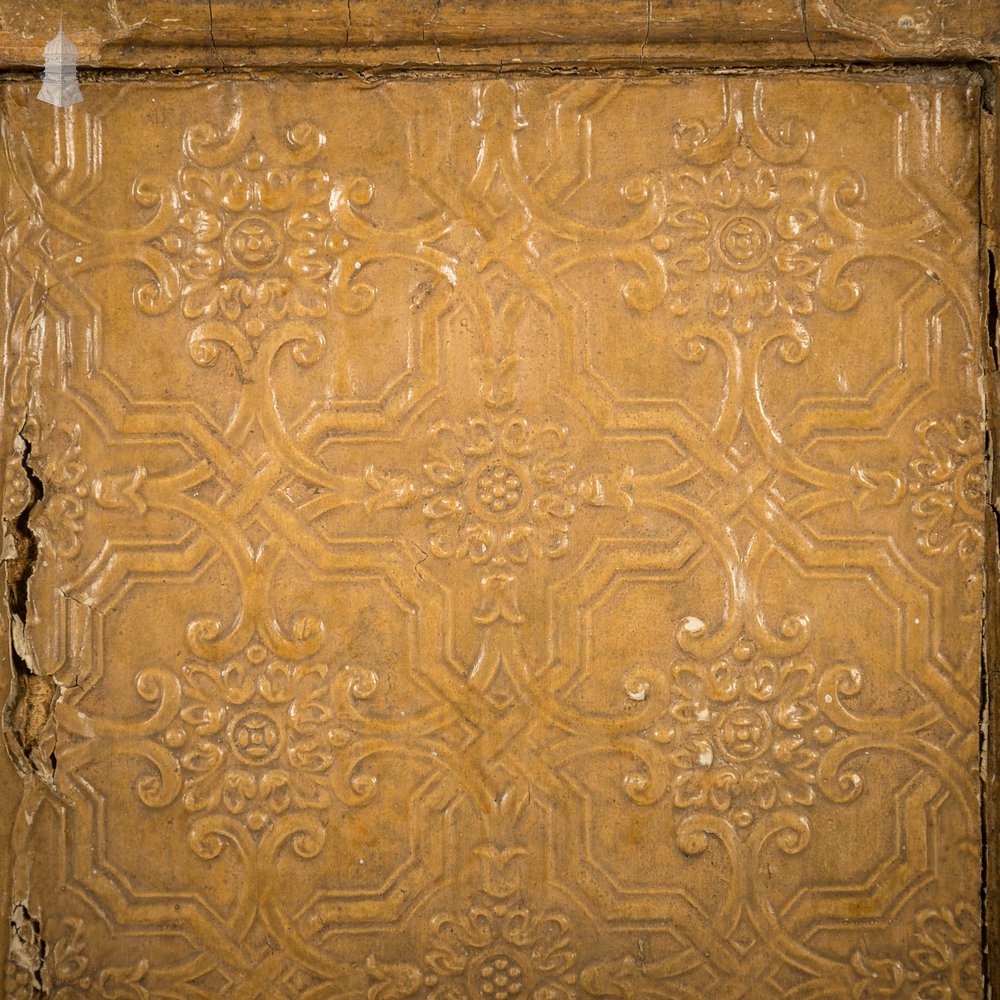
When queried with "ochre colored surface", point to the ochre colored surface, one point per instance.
{"points": [[497, 538]]}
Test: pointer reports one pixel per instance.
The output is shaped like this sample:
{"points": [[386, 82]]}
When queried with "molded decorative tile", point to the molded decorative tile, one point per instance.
{"points": [[496, 538]]}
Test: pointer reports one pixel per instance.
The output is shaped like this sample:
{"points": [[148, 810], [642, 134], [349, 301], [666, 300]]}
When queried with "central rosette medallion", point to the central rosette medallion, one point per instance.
{"points": [[499, 490]]}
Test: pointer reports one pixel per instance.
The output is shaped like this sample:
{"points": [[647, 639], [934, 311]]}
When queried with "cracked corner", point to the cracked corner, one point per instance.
{"points": [[28, 716], [26, 956]]}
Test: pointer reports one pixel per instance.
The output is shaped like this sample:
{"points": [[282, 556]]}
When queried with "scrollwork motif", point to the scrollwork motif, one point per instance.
{"points": [[257, 747], [497, 951], [68, 972], [254, 738], [746, 733], [945, 480], [948, 486], [943, 960], [743, 232], [498, 491], [517, 718], [250, 241]]}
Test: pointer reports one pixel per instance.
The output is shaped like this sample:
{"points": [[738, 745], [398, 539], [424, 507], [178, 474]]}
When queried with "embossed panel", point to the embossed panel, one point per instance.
{"points": [[496, 538]]}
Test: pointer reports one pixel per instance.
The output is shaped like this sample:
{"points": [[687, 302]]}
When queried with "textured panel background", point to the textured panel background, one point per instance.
{"points": [[496, 538]]}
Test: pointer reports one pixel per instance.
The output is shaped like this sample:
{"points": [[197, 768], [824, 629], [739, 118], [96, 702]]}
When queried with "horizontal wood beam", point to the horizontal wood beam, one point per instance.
{"points": [[373, 34]]}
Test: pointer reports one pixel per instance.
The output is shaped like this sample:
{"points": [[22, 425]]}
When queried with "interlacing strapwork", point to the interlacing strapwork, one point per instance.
{"points": [[489, 550]]}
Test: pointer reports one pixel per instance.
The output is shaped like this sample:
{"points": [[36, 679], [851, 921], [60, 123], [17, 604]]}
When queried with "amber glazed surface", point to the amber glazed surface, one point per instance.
{"points": [[496, 538]]}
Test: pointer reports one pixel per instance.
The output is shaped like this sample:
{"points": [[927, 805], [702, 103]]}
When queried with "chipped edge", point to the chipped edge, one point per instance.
{"points": [[990, 648], [27, 946], [27, 699], [28, 715], [28, 709]]}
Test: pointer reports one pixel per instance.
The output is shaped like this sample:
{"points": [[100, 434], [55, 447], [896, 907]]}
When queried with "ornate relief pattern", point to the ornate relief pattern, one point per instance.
{"points": [[945, 481], [497, 951], [259, 746], [495, 491], [748, 225], [68, 974], [942, 963], [948, 483], [254, 738], [748, 732], [249, 239], [501, 952], [499, 413]]}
